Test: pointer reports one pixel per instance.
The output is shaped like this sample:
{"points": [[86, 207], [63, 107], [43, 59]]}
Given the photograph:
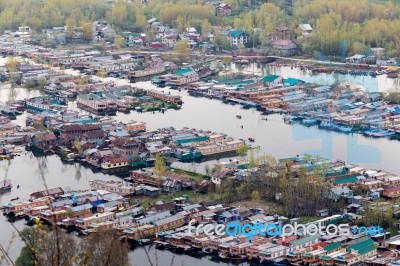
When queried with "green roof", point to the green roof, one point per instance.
{"points": [[333, 246], [236, 33], [183, 71], [340, 172], [269, 78], [197, 139], [361, 245], [265, 252], [307, 255], [233, 82], [367, 249], [324, 257], [304, 240], [347, 179], [293, 81]]}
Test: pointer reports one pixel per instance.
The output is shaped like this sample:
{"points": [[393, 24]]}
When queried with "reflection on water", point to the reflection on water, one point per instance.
{"points": [[380, 83], [272, 135], [165, 257]]}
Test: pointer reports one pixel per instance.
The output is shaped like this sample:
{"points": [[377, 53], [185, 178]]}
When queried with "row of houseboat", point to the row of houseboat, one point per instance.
{"points": [[329, 124], [306, 250]]}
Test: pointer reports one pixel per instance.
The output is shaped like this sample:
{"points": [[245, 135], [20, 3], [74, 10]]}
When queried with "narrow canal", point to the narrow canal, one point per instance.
{"points": [[272, 135]]}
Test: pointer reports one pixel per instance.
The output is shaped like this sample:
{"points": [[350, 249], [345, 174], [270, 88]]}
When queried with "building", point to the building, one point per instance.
{"points": [[54, 193], [126, 146], [306, 30], [223, 9], [113, 186], [284, 47], [355, 59], [113, 161], [44, 141], [238, 37], [393, 192], [164, 96]]}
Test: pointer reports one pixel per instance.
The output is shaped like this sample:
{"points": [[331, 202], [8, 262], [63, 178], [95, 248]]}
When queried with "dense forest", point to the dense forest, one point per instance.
{"points": [[341, 27]]}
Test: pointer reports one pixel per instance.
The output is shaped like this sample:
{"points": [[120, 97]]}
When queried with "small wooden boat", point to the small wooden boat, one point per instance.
{"points": [[251, 139], [14, 199], [238, 116], [5, 185], [123, 110]]}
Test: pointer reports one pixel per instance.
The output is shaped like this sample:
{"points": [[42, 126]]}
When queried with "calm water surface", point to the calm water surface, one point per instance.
{"points": [[273, 136]]}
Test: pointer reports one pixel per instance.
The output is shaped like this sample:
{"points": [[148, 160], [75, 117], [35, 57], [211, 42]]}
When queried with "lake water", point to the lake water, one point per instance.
{"points": [[273, 136]]}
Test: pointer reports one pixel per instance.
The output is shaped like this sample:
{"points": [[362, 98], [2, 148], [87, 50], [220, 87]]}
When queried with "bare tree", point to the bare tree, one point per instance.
{"points": [[103, 249]]}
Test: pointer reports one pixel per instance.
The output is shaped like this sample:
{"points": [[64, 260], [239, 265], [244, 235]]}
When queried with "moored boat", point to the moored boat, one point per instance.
{"points": [[5, 185], [309, 121]]}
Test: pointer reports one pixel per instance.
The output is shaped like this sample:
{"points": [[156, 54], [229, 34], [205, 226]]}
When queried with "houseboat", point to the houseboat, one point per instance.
{"points": [[146, 72], [309, 121], [96, 104], [161, 81], [238, 251], [215, 242], [176, 80], [294, 257], [272, 253], [165, 96], [44, 104], [113, 186]]}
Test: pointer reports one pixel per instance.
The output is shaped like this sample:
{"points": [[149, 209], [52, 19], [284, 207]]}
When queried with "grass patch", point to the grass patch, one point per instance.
{"points": [[305, 220], [193, 175], [193, 196]]}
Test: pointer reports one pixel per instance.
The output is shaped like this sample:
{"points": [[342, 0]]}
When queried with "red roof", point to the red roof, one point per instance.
{"points": [[116, 158], [392, 189], [286, 241], [319, 245]]}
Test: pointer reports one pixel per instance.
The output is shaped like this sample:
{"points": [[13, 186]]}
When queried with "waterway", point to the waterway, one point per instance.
{"points": [[272, 135]]}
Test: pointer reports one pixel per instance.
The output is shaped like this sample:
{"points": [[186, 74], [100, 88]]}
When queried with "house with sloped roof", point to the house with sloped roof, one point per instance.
{"points": [[272, 79], [284, 47], [357, 253], [293, 82], [238, 37], [223, 9], [44, 141], [113, 161], [306, 30], [303, 242]]}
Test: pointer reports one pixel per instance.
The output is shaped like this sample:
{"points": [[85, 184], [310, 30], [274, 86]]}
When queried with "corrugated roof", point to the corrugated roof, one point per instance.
{"points": [[304, 240], [361, 245], [269, 78], [367, 249], [333, 246], [236, 33], [348, 179], [293, 81]]}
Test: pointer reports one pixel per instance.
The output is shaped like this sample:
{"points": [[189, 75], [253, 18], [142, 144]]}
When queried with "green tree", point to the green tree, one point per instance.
{"points": [[182, 50], [119, 42], [255, 195], [25, 258], [242, 150], [102, 73], [221, 42], [160, 167], [205, 28], [87, 31], [12, 63]]}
